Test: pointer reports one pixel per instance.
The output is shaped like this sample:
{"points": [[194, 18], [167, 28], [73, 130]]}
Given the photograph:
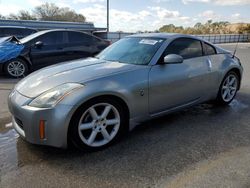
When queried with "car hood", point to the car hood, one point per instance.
{"points": [[78, 71]]}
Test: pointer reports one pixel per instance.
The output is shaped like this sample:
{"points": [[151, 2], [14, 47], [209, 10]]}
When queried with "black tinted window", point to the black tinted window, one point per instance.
{"points": [[11, 31], [187, 48], [27, 32], [51, 38], [209, 50], [79, 38]]}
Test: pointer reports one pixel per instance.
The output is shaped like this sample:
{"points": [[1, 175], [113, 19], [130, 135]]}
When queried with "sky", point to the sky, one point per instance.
{"points": [[141, 15]]}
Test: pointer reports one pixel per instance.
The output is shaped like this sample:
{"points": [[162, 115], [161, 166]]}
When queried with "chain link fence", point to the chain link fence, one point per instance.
{"points": [[215, 38], [226, 38]]}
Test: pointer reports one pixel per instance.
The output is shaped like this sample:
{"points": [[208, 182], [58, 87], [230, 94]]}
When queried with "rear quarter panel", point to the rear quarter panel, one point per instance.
{"points": [[221, 65]]}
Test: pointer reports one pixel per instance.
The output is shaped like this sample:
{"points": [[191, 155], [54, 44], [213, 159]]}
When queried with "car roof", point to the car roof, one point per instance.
{"points": [[54, 30], [156, 35], [39, 33], [166, 36]]}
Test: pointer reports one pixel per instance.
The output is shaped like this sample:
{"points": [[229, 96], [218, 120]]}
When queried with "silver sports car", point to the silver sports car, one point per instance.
{"points": [[92, 102]]}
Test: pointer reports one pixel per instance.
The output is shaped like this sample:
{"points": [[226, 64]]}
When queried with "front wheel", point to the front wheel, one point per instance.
{"points": [[97, 124], [228, 88], [16, 68]]}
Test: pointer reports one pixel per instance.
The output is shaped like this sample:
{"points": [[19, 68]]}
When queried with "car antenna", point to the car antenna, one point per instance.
{"points": [[236, 46]]}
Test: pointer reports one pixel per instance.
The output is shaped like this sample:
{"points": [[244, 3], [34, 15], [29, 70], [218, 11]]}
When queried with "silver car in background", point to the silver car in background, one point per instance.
{"points": [[92, 102]]}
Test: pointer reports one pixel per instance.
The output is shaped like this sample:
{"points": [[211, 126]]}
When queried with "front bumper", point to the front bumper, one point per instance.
{"points": [[26, 120]]}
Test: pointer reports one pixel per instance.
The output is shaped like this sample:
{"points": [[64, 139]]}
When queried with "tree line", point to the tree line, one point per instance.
{"points": [[209, 27], [47, 12], [51, 12]]}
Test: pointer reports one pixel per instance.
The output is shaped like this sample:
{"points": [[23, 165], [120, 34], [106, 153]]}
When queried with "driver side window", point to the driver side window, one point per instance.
{"points": [[185, 47]]}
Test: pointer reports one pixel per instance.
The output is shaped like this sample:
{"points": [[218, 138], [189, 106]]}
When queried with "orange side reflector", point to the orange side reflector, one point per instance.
{"points": [[42, 129]]}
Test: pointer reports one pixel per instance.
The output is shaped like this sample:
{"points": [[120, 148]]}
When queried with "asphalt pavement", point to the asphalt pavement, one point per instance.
{"points": [[203, 146]]}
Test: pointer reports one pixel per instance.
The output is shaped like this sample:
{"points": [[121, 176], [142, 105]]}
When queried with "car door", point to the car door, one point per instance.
{"points": [[51, 51], [177, 85], [79, 45]]}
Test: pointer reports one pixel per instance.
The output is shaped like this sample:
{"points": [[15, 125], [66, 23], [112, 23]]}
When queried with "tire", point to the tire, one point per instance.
{"points": [[228, 88], [20, 65], [90, 132]]}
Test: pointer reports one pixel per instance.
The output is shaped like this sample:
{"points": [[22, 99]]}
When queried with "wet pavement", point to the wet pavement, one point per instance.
{"points": [[203, 146]]}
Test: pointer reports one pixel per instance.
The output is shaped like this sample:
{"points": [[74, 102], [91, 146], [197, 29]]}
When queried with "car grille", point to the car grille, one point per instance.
{"points": [[19, 123]]}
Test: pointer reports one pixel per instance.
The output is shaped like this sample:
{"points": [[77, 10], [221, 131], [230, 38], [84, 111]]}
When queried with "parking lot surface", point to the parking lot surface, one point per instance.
{"points": [[203, 146]]}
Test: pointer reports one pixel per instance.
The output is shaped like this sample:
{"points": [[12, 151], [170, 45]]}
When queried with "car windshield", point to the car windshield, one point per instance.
{"points": [[132, 50], [30, 37]]}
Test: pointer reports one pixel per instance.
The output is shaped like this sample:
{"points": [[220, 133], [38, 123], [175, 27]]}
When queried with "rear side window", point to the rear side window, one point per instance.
{"points": [[79, 38], [209, 50], [185, 47], [27, 32], [51, 38]]}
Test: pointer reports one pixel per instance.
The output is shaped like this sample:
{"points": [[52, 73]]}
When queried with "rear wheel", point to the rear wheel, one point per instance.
{"points": [[97, 124], [228, 88], [16, 68]]}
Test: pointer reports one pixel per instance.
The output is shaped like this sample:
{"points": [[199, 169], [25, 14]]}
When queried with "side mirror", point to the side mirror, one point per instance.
{"points": [[173, 59], [38, 44]]}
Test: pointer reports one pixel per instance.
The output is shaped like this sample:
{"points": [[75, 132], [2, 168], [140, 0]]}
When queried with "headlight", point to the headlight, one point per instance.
{"points": [[51, 97]]}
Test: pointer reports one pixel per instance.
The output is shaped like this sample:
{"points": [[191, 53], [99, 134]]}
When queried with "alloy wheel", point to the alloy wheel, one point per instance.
{"points": [[16, 68], [99, 124], [229, 87]]}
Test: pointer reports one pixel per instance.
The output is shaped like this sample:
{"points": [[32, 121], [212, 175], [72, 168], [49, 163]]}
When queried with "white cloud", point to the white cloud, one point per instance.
{"points": [[209, 15], [145, 13], [215, 17], [87, 1], [150, 18], [232, 2], [160, 1], [236, 15], [34, 3], [219, 2], [63, 5], [195, 1], [6, 9], [165, 13]]}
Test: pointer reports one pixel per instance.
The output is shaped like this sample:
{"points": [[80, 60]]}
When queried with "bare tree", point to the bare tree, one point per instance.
{"points": [[2, 17], [25, 15], [47, 11], [67, 14], [51, 12], [12, 17]]}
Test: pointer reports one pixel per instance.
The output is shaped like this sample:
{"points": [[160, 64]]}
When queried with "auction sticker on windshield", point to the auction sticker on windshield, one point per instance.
{"points": [[148, 41]]}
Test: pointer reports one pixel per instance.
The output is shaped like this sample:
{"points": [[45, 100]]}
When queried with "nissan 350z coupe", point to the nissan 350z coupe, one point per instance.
{"points": [[92, 102]]}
